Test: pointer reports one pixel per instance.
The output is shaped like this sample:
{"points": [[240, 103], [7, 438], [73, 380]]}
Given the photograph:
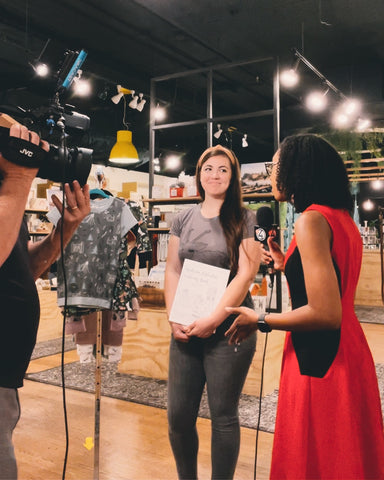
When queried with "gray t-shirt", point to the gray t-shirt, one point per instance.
{"points": [[202, 239], [92, 256]]}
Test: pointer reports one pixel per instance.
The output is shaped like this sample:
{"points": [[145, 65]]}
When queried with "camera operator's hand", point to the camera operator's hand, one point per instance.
{"points": [[42, 254], [17, 172], [78, 204]]}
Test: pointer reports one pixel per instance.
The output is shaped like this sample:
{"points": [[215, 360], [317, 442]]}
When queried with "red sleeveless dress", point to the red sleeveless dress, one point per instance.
{"points": [[329, 423]]}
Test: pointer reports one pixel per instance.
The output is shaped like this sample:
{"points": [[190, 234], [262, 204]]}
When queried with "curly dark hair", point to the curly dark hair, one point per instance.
{"points": [[232, 212], [309, 171]]}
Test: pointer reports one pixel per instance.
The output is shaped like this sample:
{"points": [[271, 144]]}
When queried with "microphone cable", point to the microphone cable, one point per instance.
{"points": [[272, 283], [63, 389]]}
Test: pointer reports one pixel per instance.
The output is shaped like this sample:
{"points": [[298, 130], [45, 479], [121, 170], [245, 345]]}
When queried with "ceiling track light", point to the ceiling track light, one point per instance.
{"points": [[316, 101], [41, 69], [141, 102], [121, 91], [326, 82], [133, 103], [160, 113], [289, 77], [349, 110], [244, 141]]}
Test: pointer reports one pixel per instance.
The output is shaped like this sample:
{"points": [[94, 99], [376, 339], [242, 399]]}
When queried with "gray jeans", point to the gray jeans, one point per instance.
{"points": [[9, 416], [223, 368]]}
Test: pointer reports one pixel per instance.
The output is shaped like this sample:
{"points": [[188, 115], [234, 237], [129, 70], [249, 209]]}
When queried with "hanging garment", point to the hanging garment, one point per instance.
{"points": [[92, 257], [143, 241]]}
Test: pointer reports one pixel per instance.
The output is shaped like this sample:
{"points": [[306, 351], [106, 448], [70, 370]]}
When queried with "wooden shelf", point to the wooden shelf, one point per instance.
{"points": [[165, 201], [158, 230], [32, 210]]}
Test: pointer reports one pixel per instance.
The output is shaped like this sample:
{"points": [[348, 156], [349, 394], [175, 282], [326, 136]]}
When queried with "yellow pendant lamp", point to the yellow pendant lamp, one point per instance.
{"points": [[124, 152]]}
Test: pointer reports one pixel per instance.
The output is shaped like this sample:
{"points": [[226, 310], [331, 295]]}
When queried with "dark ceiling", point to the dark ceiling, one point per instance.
{"points": [[131, 41]]}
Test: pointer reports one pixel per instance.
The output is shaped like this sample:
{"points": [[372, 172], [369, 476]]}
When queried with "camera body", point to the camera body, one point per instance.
{"points": [[61, 163]]}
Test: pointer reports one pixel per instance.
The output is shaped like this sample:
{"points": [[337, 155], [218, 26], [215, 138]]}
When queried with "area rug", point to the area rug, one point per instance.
{"points": [[52, 347], [152, 392], [368, 314]]}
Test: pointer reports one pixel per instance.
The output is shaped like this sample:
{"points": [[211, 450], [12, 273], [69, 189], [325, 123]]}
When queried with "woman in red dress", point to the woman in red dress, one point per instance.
{"points": [[329, 422]]}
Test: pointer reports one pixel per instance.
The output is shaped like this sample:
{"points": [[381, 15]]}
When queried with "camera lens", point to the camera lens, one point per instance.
{"points": [[67, 165]]}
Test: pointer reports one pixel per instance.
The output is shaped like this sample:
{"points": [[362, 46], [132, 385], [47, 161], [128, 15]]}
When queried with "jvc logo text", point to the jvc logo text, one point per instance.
{"points": [[26, 152]]}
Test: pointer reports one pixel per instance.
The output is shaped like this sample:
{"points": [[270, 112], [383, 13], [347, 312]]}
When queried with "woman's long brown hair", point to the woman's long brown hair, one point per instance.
{"points": [[232, 212]]}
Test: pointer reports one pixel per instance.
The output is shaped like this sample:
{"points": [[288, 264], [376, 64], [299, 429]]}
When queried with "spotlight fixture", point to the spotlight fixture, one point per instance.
{"points": [[363, 124], [124, 153], [351, 106], [121, 91], [368, 205], [316, 101], [141, 102], [244, 142], [341, 120], [289, 77], [133, 102], [160, 113], [377, 184], [81, 87], [41, 69], [173, 162], [219, 131]]}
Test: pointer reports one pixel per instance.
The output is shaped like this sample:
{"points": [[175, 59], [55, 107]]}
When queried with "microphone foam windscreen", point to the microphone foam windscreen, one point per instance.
{"points": [[264, 217]]}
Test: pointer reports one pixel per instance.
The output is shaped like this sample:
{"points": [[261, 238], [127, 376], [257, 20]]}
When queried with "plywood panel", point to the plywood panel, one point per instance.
{"points": [[51, 319], [146, 345], [368, 290]]}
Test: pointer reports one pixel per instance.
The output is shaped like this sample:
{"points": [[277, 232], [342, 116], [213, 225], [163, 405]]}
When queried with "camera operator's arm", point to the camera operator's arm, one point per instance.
{"points": [[15, 184], [42, 254]]}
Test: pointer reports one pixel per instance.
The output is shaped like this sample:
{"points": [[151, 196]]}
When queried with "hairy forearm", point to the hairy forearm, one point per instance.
{"points": [[13, 197]]}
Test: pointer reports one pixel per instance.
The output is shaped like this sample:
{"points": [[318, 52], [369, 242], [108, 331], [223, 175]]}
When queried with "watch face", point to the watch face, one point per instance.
{"points": [[263, 326], [260, 234]]}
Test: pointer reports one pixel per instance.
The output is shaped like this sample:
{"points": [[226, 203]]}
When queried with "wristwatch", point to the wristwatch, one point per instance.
{"points": [[262, 325]]}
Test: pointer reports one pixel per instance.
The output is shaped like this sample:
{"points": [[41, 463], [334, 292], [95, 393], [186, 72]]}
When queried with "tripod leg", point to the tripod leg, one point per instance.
{"points": [[97, 396]]}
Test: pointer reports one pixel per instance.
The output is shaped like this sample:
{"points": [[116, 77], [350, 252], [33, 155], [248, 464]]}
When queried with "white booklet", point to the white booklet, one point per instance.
{"points": [[198, 292]]}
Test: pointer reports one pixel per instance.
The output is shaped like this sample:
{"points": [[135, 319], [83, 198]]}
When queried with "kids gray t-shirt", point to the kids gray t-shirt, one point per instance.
{"points": [[202, 239]]}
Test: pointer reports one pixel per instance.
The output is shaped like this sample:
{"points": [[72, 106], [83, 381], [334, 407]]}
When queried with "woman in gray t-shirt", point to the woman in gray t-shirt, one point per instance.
{"points": [[218, 232]]}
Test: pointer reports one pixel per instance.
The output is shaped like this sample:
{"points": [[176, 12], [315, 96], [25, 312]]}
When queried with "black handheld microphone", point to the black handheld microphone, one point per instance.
{"points": [[265, 227]]}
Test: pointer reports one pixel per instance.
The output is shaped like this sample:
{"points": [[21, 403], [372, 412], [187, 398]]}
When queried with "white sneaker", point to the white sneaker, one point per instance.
{"points": [[85, 353]]}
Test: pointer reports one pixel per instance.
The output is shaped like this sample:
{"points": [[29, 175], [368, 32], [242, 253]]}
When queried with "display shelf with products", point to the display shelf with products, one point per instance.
{"points": [[247, 198], [38, 225], [250, 198]]}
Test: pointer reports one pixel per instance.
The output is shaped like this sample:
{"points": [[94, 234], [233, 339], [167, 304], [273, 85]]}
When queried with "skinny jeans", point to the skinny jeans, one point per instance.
{"points": [[223, 369], [9, 416]]}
